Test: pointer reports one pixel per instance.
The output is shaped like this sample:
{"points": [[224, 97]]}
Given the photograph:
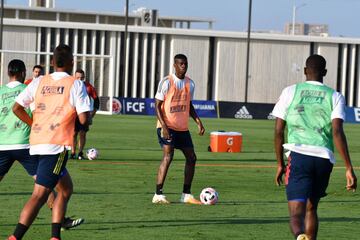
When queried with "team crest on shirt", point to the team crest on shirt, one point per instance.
{"points": [[52, 90]]}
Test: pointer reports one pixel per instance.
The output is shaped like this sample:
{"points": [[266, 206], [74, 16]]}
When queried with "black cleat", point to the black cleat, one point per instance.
{"points": [[81, 155], [72, 156], [71, 223]]}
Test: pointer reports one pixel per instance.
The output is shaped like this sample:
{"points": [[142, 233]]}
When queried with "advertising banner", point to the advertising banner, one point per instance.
{"points": [[239, 110], [352, 115]]}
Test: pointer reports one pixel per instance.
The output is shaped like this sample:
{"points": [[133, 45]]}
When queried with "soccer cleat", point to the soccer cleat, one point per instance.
{"points": [[189, 198], [12, 237], [81, 155], [71, 223], [160, 199], [302, 237], [72, 156]]}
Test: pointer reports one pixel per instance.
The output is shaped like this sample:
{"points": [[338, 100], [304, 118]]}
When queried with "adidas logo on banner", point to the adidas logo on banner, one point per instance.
{"points": [[243, 113]]}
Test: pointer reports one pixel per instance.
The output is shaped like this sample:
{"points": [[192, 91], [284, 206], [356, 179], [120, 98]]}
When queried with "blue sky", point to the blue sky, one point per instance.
{"points": [[342, 16]]}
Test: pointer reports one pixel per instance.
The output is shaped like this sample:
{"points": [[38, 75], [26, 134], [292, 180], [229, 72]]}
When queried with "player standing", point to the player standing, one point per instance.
{"points": [[173, 107], [37, 72], [314, 115], [58, 98]]}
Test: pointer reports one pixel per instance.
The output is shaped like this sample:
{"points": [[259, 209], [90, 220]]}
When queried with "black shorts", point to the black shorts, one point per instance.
{"points": [[179, 139], [51, 168], [307, 177], [8, 157], [80, 127]]}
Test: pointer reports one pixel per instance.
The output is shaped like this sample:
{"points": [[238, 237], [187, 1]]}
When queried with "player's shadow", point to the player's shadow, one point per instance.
{"points": [[111, 225]]}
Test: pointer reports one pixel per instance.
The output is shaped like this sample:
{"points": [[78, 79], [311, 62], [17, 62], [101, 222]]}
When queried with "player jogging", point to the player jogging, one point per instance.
{"points": [[314, 115], [173, 107], [58, 98]]}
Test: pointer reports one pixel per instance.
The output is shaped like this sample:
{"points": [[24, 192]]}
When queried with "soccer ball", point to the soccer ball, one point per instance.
{"points": [[92, 154], [209, 196]]}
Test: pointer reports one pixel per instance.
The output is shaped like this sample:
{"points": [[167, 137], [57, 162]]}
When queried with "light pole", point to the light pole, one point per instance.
{"points": [[248, 52], [295, 8]]}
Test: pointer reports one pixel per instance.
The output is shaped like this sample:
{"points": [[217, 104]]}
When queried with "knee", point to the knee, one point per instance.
{"points": [[191, 160], [168, 157]]}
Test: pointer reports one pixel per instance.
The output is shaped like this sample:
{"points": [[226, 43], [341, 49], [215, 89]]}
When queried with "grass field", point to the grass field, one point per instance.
{"points": [[114, 192]]}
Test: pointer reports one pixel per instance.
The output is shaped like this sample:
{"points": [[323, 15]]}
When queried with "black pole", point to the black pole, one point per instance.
{"points": [[125, 39], [1, 24], [248, 52]]}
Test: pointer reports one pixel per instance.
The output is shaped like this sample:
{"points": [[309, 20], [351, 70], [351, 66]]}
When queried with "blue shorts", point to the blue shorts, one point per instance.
{"points": [[51, 168], [8, 157], [307, 177], [179, 139]]}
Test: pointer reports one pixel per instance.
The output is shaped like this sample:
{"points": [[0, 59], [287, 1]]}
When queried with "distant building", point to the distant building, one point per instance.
{"points": [[321, 30]]}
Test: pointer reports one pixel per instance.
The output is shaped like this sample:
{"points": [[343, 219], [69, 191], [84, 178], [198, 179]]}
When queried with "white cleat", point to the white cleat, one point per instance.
{"points": [[160, 199], [189, 198]]}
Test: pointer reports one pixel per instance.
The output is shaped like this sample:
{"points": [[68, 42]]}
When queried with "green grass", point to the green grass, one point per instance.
{"points": [[114, 192]]}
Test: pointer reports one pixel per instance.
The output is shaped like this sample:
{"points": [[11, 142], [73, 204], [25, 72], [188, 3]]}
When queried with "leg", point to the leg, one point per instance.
{"points": [[168, 154], [311, 218], [64, 191], [82, 140], [189, 172], [73, 147], [297, 211]]}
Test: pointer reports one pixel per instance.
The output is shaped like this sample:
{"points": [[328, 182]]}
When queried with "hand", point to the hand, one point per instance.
{"points": [[279, 173], [165, 133], [351, 180], [201, 129]]}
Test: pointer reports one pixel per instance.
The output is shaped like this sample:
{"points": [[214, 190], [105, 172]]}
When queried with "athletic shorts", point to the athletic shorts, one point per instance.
{"points": [[8, 157], [51, 168], [307, 177], [80, 127], [179, 139]]}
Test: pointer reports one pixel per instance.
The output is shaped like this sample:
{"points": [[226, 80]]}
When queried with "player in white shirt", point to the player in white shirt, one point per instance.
{"points": [[314, 115]]}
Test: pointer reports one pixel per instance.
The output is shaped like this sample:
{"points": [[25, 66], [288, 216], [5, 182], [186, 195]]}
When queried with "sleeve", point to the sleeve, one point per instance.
{"points": [[283, 103], [163, 88], [192, 89], [338, 106], [79, 97], [27, 96], [92, 93]]}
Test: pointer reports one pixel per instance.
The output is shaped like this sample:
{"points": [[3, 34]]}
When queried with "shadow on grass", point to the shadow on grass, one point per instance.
{"points": [[200, 222]]}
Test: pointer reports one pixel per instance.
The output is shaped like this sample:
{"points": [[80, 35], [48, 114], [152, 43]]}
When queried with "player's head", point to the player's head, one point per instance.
{"points": [[63, 59], [180, 65], [37, 71], [80, 74], [17, 70], [315, 68]]}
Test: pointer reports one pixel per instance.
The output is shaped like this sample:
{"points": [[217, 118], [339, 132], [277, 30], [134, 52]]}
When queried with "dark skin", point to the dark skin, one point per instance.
{"points": [[41, 193], [180, 66], [303, 215]]}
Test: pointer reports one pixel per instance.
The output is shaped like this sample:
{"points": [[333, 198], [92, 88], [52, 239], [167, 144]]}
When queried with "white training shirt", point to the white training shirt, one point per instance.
{"points": [[14, 84], [164, 86], [78, 98], [280, 111]]}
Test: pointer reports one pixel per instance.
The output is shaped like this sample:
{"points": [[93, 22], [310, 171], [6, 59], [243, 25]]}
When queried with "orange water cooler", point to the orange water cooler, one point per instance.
{"points": [[225, 142]]}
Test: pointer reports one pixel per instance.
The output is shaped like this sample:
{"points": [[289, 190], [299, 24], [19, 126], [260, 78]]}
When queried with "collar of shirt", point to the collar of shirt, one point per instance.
{"points": [[13, 84], [59, 75], [314, 82]]}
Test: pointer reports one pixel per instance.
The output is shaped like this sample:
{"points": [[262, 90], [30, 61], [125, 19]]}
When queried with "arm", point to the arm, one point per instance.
{"points": [[160, 117], [196, 118], [96, 106], [278, 142], [341, 145], [20, 112]]}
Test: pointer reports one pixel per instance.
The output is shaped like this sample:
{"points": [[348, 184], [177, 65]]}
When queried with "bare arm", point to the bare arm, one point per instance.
{"points": [[20, 112], [341, 145], [160, 117], [278, 142], [196, 118]]}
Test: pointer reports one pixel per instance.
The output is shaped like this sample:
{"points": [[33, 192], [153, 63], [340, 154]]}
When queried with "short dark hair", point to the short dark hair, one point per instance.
{"points": [[180, 56], [16, 67], [62, 55], [79, 70], [316, 63], [39, 67]]}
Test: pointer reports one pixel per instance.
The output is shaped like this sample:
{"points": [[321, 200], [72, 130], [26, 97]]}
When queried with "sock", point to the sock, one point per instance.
{"points": [[186, 188], [159, 189], [56, 228], [20, 231]]}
